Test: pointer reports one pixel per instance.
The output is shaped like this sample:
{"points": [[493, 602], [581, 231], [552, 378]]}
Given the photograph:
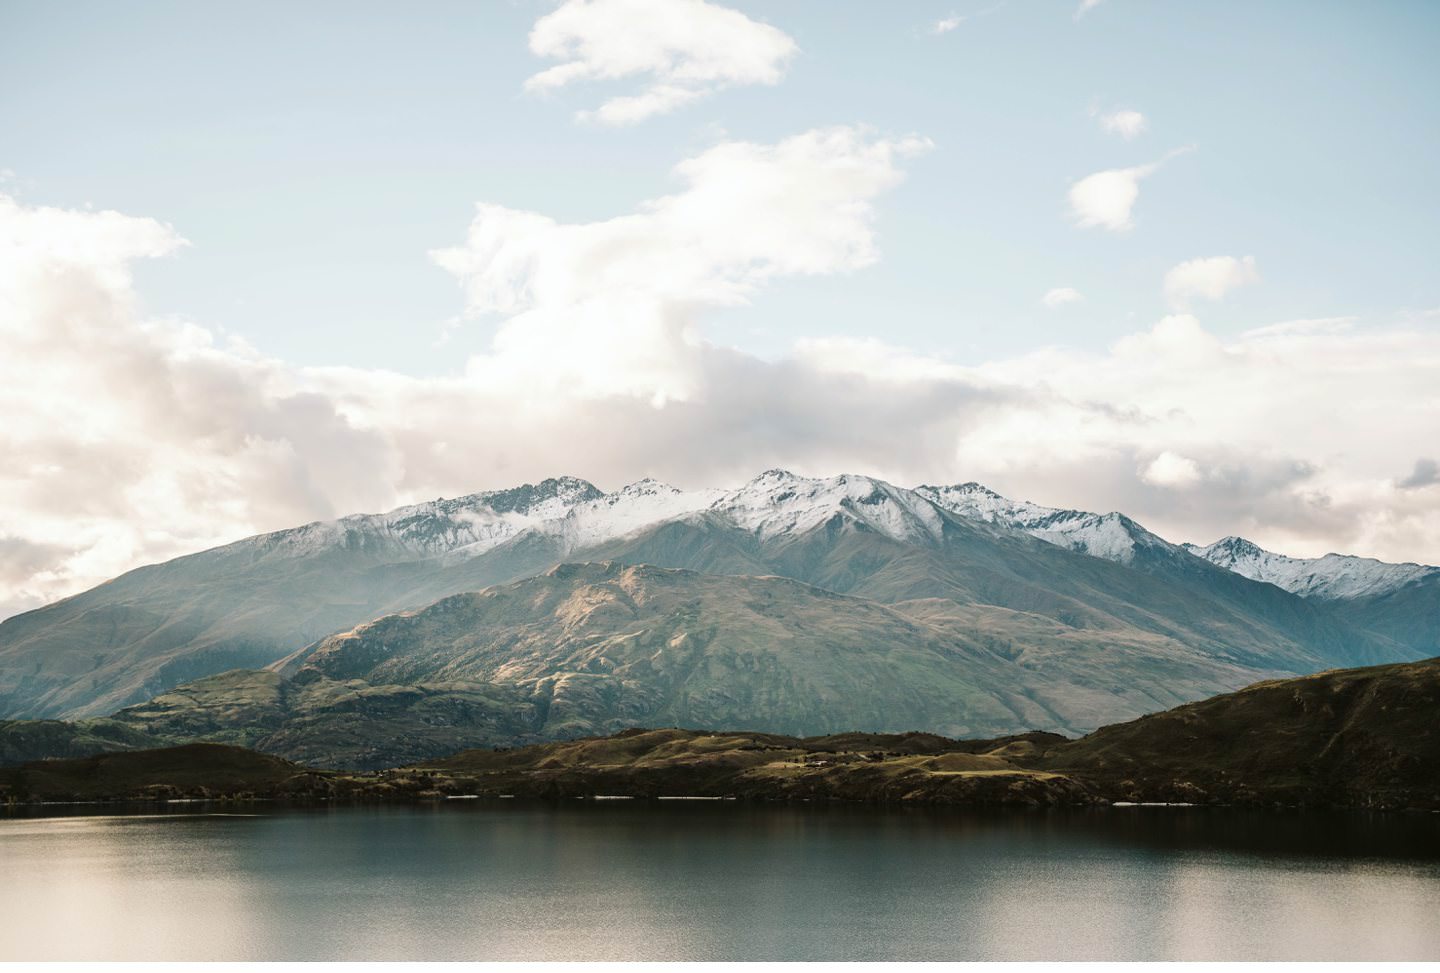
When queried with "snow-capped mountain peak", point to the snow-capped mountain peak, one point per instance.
{"points": [[977, 502], [474, 522], [633, 507], [1331, 577], [780, 502], [575, 515], [1111, 536]]}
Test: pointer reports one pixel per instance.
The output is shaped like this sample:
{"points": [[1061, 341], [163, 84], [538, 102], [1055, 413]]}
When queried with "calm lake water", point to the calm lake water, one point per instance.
{"points": [[695, 881]]}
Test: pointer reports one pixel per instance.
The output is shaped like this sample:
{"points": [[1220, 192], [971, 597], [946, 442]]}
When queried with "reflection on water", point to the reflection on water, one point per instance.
{"points": [[618, 880]]}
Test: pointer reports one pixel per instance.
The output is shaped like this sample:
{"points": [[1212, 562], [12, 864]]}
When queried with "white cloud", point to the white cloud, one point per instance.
{"points": [[1171, 470], [608, 307], [1303, 326], [1208, 278], [1106, 198], [128, 439], [685, 48], [946, 24], [1125, 122], [1060, 296], [1281, 425], [1085, 7]]}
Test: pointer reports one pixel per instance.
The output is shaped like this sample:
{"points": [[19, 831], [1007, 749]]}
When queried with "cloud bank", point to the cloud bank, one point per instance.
{"points": [[130, 438]]}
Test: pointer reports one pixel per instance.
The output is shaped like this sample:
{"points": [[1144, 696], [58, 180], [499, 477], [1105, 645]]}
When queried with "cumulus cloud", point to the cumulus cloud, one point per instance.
{"points": [[130, 439], [1060, 296], [608, 307], [1106, 198], [1124, 122], [685, 49], [1208, 278]]}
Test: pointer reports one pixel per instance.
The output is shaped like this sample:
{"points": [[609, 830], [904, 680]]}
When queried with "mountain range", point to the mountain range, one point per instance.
{"points": [[791, 604]]}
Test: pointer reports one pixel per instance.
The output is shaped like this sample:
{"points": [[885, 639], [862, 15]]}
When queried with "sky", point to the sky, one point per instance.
{"points": [[267, 263]]}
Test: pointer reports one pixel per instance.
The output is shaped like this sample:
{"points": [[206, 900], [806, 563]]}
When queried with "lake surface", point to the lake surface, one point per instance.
{"points": [[701, 881]]}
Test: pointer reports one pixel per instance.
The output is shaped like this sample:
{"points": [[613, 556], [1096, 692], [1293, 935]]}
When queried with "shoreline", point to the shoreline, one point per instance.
{"points": [[18, 810]]}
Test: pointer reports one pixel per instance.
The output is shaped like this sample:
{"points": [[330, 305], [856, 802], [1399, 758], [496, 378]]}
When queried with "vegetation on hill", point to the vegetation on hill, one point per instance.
{"points": [[1347, 738], [24, 740], [196, 770]]}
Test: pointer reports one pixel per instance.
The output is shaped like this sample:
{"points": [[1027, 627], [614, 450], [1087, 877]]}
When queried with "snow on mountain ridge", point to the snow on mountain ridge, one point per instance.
{"points": [[631, 508], [776, 502], [1331, 577], [477, 521], [1111, 536], [779, 502], [578, 516]]}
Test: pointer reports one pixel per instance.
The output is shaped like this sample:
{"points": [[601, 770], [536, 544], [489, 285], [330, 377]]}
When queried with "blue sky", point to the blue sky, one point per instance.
{"points": [[313, 153], [266, 263]]}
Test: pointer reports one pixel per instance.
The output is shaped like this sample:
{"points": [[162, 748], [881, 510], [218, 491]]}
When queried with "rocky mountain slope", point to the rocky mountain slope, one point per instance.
{"points": [[598, 647], [249, 604]]}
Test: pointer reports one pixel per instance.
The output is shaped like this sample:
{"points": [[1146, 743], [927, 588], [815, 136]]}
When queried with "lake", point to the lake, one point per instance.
{"points": [[614, 880]]}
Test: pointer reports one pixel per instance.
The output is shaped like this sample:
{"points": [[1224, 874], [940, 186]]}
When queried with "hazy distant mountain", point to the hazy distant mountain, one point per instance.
{"points": [[1398, 601], [1099, 581], [1334, 577], [1115, 537], [247, 604]]}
